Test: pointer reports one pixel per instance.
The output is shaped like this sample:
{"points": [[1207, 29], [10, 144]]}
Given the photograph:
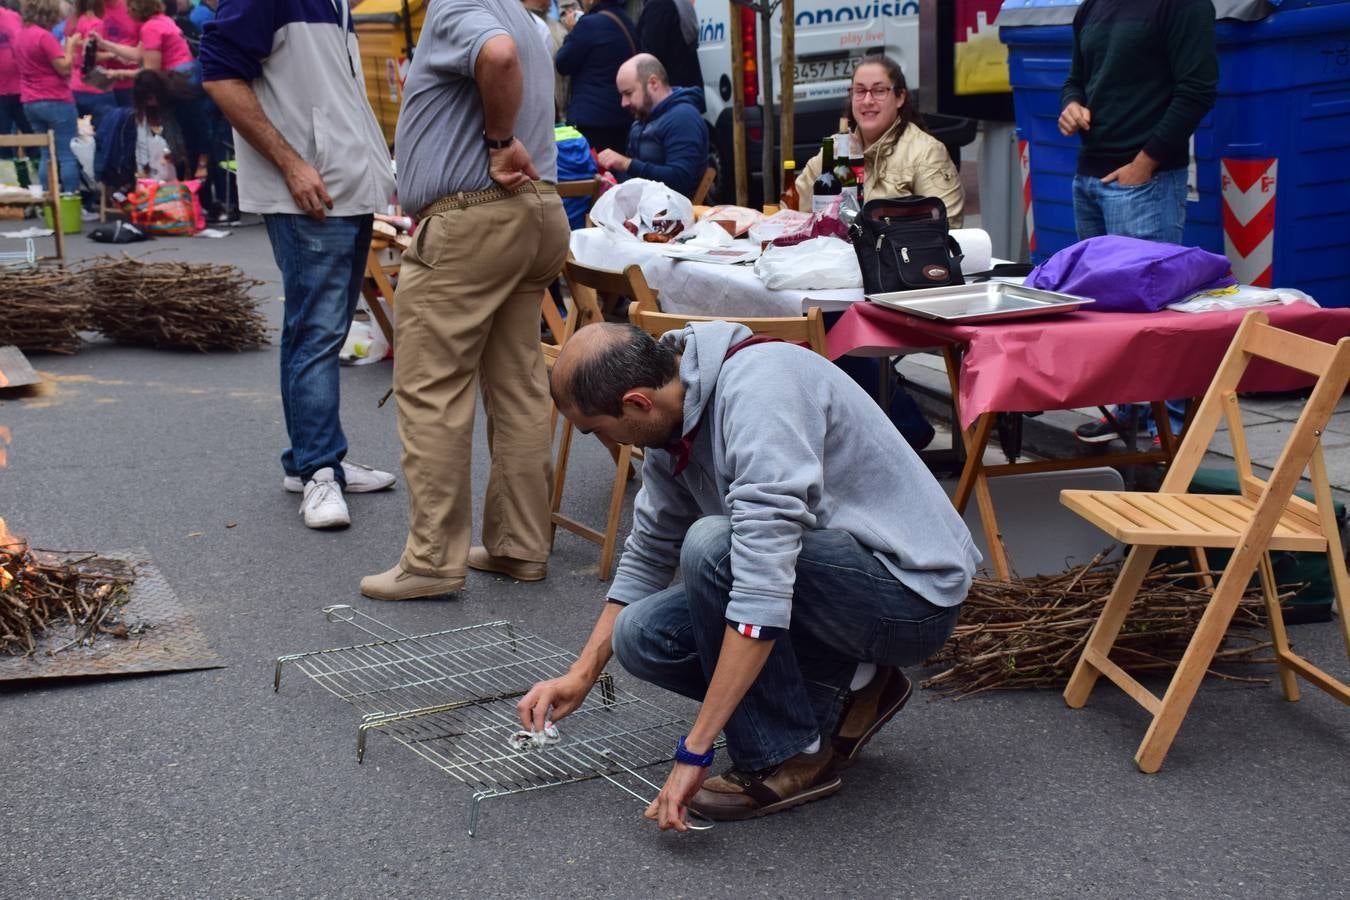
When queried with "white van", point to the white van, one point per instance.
{"points": [[832, 37]]}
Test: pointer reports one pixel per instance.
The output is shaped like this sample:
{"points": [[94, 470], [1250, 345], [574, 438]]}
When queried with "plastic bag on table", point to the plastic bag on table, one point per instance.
{"points": [[830, 222], [638, 208], [818, 264]]}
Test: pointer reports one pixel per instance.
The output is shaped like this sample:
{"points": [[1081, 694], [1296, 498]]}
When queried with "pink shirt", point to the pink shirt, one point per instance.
{"points": [[86, 24], [120, 28], [33, 52], [161, 33], [10, 25]]}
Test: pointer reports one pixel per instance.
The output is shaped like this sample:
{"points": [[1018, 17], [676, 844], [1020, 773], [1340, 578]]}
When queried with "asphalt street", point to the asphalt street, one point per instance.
{"points": [[208, 784]]}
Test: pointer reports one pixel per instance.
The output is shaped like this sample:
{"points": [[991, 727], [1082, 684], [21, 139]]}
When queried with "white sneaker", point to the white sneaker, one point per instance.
{"points": [[323, 506], [88, 215], [360, 479]]}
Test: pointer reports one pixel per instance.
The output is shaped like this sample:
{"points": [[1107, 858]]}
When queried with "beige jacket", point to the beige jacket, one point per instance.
{"points": [[915, 164]]}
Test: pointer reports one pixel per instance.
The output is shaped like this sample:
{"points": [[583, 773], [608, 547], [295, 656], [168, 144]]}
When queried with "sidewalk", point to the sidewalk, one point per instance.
{"points": [[1267, 421]]}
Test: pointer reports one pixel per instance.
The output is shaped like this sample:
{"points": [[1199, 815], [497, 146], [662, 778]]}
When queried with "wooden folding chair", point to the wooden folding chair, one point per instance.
{"points": [[1267, 516], [808, 329], [704, 185], [376, 287], [608, 287], [585, 285], [51, 196]]}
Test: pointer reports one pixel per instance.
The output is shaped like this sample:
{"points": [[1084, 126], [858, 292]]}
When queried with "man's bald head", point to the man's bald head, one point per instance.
{"points": [[643, 83], [602, 362]]}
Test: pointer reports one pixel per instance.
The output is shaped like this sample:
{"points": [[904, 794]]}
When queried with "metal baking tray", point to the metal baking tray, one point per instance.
{"points": [[993, 301]]}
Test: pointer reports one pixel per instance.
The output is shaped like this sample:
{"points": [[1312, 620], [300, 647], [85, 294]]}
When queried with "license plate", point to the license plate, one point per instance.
{"points": [[829, 69]]}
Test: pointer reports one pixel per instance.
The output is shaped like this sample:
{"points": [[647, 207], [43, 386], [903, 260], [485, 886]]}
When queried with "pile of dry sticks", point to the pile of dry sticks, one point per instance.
{"points": [[169, 305], [43, 309], [1029, 632], [38, 591]]}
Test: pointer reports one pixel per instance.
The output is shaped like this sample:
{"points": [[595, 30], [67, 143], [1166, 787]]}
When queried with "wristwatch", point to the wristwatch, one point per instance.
{"points": [[498, 145], [688, 757]]}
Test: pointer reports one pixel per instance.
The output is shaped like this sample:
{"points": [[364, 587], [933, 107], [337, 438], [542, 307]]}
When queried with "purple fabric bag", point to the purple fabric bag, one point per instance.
{"points": [[1125, 274]]}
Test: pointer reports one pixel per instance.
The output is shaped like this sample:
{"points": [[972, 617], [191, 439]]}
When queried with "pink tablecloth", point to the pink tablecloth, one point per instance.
{"points": [[1084, 358]]}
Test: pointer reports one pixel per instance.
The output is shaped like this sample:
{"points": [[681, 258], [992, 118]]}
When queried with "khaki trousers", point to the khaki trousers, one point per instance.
{"points": [[467, 308]]}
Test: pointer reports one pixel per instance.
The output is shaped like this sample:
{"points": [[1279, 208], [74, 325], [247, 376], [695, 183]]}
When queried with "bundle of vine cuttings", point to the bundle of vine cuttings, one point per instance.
{"points": [[43, 309], [175, 305], [40, 591], [1029, 632]]}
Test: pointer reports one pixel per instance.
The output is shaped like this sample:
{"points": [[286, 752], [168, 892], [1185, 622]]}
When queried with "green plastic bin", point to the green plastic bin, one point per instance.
{"points": [[70, 214]]}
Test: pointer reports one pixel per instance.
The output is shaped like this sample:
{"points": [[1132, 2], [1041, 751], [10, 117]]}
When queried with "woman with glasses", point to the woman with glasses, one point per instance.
{"points": [[900, 159]]}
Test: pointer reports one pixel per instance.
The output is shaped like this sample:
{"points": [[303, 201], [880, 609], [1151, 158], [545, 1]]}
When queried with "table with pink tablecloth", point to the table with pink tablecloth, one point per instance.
{"points": [[1082, 358]]}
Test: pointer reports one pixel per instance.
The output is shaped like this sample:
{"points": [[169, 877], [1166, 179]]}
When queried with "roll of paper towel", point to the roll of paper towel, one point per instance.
{"points": [[977, 247]]}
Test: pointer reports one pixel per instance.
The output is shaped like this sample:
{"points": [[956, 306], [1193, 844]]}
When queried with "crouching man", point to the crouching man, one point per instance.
{"points": [[817, 557]]}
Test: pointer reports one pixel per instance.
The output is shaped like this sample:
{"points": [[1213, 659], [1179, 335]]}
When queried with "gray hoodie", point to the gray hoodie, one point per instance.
{"points": [[788, 442]]}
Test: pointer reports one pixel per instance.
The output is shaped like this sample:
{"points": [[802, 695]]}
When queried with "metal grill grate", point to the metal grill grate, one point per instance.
{"points": [[449, 696]]}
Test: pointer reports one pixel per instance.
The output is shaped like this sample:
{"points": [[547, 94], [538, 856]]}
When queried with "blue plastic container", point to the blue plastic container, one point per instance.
{"points": [[1284, 96]]}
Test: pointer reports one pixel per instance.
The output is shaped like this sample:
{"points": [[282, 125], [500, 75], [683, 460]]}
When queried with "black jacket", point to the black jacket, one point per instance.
{"points": [[659, 34]]}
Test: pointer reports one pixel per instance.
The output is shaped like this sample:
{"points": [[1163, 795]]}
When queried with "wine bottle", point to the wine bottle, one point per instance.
{"points": [[848, 182], [858, 164], [789, 198], [826, 187]]}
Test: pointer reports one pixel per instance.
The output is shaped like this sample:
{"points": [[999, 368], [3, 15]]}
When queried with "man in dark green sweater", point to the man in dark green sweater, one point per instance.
{"points": [[1144, 73]]}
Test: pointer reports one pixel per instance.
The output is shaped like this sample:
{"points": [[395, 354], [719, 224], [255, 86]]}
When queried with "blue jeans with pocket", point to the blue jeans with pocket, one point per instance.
{"points": [[59, 117], [847, 608], [322, 266], [1152, 211]]}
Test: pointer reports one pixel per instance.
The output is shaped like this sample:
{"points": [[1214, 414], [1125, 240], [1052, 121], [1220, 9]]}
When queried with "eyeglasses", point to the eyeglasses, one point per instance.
{"points": [[879, 92]]}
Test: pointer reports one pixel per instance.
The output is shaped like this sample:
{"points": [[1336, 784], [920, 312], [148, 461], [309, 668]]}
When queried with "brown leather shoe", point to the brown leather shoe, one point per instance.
{"points": [[736, 795], [398, 584], [867, 711], [519, 569]]}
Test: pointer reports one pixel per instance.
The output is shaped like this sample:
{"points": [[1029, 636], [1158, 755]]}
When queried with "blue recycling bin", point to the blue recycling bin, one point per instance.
{"points": [[1271, 186]]}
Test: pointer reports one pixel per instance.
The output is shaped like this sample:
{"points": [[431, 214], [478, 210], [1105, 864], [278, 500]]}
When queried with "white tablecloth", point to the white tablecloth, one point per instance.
{"points": [[700, 288]]}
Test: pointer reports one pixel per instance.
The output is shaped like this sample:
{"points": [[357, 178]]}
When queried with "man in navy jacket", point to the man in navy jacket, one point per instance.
{"points": [[669, 141]]}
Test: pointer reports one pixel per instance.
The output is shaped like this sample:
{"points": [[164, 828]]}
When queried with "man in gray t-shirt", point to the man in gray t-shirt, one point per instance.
{"points": [[476, 166], [440, 128]]}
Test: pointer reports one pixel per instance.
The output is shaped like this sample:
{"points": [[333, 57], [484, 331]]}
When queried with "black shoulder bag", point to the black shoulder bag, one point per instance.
{"points": [[903, 244]]}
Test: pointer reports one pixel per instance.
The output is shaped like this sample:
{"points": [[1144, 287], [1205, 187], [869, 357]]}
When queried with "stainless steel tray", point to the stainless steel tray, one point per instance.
{"points": [[992, 301]]}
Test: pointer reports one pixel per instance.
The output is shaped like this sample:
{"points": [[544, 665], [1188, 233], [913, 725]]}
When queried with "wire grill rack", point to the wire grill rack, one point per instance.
{"points": [[449, 696]]}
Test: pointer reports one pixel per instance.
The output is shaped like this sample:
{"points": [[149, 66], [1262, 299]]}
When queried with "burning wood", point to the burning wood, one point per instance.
{"points": [[37, 593], [1030, 632]]}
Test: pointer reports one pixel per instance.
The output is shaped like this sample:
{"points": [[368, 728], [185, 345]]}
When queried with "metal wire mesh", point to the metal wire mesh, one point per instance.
{"points": [[449, 696]]}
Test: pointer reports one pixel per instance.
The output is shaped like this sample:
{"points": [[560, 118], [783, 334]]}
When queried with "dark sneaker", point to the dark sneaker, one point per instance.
{"points": [[867, 711], [1101, 431], [736, 795]]}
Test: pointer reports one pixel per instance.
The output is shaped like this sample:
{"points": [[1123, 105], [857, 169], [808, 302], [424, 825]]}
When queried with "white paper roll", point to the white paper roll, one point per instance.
{"points": [[977, 247]]}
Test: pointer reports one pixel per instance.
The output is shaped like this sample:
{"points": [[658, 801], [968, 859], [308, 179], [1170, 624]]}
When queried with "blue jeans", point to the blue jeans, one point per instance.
{"points": [[57, 116], [322, 265], [1153, 211], [95, 105], [12, 120], [847, 608]]}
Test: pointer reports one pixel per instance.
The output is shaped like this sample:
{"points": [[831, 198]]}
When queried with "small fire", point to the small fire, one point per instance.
{"points": [[7, 540]]}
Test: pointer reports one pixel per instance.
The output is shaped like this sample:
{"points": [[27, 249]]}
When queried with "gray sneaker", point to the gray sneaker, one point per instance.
{"points": [[360, 479], [324, 506]]}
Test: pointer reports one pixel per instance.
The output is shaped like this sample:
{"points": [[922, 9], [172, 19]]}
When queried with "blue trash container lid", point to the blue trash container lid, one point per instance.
{"points": [[1024, 13]]}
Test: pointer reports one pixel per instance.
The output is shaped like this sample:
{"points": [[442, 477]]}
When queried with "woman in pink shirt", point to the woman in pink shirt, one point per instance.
{"points": [[162, 47], [11, 107], [43, 86], [119, 28], [91, 99]]}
